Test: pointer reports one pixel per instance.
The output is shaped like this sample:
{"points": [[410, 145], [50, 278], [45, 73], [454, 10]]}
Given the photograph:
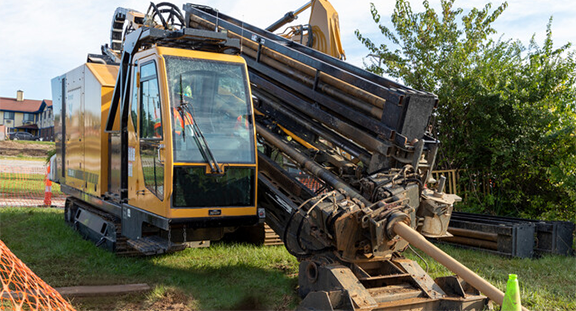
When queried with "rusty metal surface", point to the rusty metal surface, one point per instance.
{"points": [[396, 285], [424, 281]]}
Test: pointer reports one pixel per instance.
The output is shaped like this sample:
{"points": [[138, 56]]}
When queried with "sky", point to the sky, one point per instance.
{"points": [[44, 39]]}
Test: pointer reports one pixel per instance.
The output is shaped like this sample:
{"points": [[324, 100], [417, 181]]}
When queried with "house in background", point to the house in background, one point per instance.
{"points": [[27, 115], [46, 121]]}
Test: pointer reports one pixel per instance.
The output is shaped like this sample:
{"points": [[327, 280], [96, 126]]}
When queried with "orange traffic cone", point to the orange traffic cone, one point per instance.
{"points": [[512, 295], [48, 189]]}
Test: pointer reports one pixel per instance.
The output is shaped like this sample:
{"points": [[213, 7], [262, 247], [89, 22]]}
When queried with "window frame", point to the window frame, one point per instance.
{"points": [[9, 118], [135, 100], [27, 114], [247, 104], [143, 79]]}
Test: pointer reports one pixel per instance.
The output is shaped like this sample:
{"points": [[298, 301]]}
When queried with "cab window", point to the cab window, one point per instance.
{"points": [[151, 130], [151, 114]]}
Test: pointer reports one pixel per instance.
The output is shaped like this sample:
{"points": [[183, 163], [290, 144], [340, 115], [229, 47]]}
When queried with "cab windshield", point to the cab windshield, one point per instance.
{"points": [[211, 111]]}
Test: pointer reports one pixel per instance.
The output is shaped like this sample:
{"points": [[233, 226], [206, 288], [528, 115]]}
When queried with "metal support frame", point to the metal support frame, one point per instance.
{"points": [[133, 218], [367, 141], [316, 97]]}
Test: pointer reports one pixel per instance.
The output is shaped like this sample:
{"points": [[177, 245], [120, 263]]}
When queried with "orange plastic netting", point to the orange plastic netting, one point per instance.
{"points": [[27, 187], [24, 290]]}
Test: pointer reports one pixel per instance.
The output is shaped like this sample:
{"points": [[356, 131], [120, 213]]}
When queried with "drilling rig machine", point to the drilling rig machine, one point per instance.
{"points": [[190, 125], [156, 143]]}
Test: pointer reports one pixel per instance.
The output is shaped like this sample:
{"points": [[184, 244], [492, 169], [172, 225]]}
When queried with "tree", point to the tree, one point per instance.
{"points": [[506, 110]]}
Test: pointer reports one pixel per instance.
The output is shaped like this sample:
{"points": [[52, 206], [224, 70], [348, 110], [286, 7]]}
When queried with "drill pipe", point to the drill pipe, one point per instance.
{"points": [[361, 137], [416, 239], [337, 83], [473, 234], [310, 165], [471, 242], [369, 110], [332, 81], [308, 124], [326, 102]]}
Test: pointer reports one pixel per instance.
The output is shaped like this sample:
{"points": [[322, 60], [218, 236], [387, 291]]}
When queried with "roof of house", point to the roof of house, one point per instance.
{"points": [[27, 105]]}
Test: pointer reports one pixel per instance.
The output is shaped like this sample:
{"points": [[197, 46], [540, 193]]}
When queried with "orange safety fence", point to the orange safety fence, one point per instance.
{"points": [[26, 186], [24, 290]]}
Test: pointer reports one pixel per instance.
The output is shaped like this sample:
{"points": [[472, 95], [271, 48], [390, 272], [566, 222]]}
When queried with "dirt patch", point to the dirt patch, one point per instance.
{"points": [[170, 301], [10, 148]]}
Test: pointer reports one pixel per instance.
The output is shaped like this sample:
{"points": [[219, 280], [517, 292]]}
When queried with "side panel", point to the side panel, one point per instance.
{"points": [[82, 100], [92, 134], [74, 122], [97, 103], [99, 88], [104, 138]]}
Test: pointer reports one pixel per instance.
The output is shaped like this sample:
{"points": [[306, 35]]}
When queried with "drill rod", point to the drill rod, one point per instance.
{"points": [[310, 165], [416, 239]]}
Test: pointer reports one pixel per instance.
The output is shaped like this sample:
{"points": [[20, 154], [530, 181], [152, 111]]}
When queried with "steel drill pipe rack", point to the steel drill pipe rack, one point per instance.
{"points": [[365, 108], [512, 236], [503, 238]]}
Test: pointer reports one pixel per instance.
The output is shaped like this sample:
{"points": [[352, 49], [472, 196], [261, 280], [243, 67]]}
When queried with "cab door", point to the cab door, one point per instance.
{"points": [[147, 165], [151, 130]]}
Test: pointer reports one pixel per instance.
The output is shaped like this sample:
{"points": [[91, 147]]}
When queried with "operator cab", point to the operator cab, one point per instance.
{"points": [[212, 133], [194, 129]]}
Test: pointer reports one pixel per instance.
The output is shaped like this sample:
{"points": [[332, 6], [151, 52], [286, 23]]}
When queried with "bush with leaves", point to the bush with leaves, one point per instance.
{"points": [[507, 112]]}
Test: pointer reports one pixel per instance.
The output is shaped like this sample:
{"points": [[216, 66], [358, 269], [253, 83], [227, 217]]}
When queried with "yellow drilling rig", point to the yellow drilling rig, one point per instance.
{"points": [[190, 125]]}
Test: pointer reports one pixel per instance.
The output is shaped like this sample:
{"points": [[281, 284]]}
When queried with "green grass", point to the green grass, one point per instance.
{"points": [[233, 276], [224, 276], [547, 283], [25, 184]]}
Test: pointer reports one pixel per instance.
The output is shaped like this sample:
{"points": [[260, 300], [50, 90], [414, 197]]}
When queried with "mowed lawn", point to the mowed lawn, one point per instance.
{"points": [[232, 276]]}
